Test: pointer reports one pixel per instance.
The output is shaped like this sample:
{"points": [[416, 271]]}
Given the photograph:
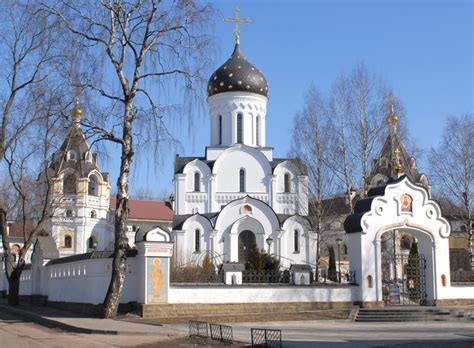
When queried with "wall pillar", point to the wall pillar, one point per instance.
{"points": [[211, 193], [180, 191], [272, 192], [234, 247], [153, 260]]}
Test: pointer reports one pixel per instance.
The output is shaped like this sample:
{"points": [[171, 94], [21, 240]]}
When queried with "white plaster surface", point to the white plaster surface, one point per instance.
{"points": [[257, 294]]}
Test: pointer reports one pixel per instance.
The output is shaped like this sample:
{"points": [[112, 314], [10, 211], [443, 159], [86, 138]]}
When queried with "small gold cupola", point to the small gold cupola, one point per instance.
{"points": [[77, 112]]}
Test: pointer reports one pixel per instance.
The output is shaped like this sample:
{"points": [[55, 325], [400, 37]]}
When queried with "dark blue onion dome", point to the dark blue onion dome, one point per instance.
{"points": [[237, 74]]}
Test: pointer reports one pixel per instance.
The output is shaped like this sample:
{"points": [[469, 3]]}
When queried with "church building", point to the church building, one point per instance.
{"points": [[238, 196]]}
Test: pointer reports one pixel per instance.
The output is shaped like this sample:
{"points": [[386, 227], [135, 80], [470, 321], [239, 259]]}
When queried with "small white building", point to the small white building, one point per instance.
{"points": [[238, 196]]}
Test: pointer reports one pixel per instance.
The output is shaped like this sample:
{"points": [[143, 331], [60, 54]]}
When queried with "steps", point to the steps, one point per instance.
{"points": [[401, 314]]}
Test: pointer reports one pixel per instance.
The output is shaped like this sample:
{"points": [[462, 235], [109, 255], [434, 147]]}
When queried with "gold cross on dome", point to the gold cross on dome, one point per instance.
{"points": [[237, 20]]}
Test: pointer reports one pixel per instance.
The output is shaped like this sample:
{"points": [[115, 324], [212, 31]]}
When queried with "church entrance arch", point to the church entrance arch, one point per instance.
{"points": [[390, 275], [403, 270], [247, 243]]}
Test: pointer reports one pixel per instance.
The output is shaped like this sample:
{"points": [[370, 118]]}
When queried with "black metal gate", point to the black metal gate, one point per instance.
{"points": [[404, 279]]}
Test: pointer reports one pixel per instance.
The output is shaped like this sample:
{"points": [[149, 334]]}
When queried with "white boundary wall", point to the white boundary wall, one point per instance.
{"points": [[86, 281], [262, 294], [461, 292], [25, 282]]}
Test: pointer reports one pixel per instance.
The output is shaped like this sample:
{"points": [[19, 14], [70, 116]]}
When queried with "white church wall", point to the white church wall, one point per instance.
{"points": [[188, 243], [232, 220], [262, 294], [253, 162], [305, 251]]}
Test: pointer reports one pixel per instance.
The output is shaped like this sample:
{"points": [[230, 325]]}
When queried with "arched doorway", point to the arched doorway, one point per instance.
{"points": [[247, 243], [403, 269], [405, 207]]}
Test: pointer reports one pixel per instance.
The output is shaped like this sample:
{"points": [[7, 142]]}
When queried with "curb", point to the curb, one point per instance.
{"points": [[54, 324]]}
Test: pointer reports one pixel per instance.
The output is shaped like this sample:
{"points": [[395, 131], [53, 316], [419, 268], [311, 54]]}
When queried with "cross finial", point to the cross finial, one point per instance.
{"points": [[392, 118], [237, 20]]}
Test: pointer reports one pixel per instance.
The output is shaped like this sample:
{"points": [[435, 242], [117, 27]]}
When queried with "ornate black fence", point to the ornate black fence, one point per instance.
{"points": [[222, 333], [195, 275], [198, 329], [334, 276], [266, 338], [249, 276]]}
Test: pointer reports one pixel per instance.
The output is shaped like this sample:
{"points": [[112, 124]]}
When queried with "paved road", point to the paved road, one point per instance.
{"points": [[350, 334], [14, 332]]}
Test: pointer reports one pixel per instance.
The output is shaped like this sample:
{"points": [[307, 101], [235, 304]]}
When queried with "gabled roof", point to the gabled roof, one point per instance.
{"points": [[76, 141], [147, 210], [15, 229], [406, 160]]}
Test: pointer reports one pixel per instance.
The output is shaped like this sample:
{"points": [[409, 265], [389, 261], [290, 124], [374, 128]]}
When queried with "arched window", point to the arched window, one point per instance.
{"points": [[197, 241], [219, 121], [67, 241], [242, 180], [344, 249], [239, 128], [88, 157], [286, 183], [93, 214], [93, 186], [69, 213], [92, 242], [257, 130], [296, 237], [71, 155], [69, 184], [197, 184]]}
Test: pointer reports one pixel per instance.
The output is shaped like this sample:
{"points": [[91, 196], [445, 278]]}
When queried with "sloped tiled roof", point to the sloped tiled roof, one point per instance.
{"points": [[147, 210], [15, 229]]}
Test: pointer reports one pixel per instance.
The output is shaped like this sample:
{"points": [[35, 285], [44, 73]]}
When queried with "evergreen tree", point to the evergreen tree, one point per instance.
{"points": [[332, 264]]}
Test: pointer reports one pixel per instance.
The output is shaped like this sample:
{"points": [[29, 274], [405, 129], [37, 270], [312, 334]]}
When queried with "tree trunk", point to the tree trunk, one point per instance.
{"points": [[112, 299], [13, 290]]}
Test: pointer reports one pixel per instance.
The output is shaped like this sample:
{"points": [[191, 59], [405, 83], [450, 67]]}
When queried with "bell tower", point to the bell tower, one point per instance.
{"points": [[80, 195]]}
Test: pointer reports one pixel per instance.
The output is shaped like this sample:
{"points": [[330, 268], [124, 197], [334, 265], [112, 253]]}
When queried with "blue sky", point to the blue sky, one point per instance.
{"points": [[423, 49]]}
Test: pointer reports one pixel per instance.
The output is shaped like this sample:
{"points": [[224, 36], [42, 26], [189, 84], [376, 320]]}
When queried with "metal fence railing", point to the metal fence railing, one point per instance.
{"points": [[222, 333], [266, 338], [198, 329]]}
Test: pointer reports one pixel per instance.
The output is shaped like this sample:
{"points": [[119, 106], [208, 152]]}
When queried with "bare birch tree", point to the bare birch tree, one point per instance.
{"points": [[311, 143], [452, 167], [368, 98], [27, 50], [140, 47], [341, 157]]}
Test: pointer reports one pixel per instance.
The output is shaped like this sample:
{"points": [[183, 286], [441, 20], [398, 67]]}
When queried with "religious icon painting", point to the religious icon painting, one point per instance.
{"points": [[406, 203]]}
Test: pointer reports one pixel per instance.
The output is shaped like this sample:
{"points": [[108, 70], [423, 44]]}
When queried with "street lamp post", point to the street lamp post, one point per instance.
{"points": [[338, 242], [269, 241]]}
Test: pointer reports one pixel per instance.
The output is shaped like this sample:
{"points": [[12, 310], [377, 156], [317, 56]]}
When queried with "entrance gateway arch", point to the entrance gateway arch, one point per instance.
{"points": [[405, 207]]}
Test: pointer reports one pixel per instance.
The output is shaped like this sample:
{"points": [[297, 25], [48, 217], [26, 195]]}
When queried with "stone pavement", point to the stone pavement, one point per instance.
{"points": [[79, 323], [333, 333]]}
